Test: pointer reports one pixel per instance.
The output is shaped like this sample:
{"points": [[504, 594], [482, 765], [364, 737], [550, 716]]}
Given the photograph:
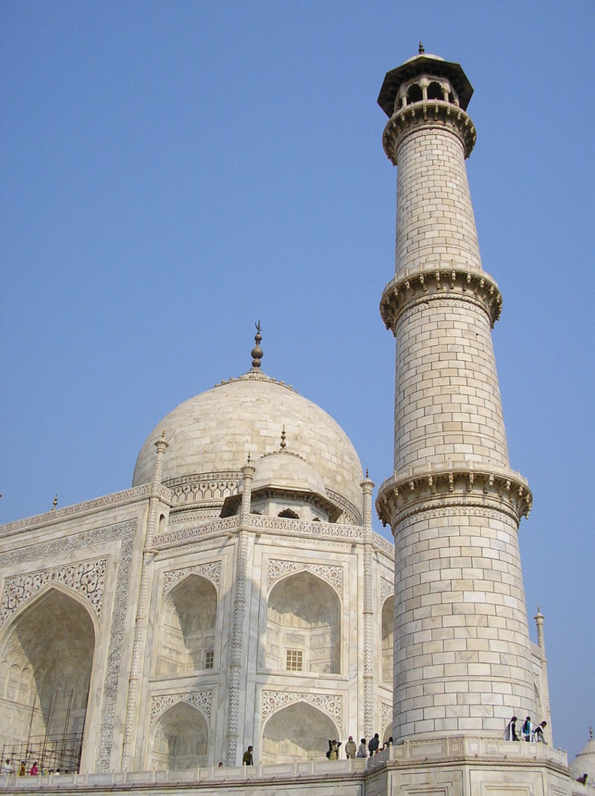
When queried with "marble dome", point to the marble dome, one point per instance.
{"points": [[214, 432], [584, 762], [286, 470]]}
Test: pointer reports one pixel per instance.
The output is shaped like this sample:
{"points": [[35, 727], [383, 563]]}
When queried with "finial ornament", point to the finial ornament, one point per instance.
{"points": [[55, 502], [366, 472], [421, 48], [590, 733], [248, 458], [283, 437], [257, 353]]}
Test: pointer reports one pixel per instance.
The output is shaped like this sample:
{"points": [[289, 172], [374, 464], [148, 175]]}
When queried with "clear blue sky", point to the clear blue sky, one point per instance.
{"points": [[174, 171]]}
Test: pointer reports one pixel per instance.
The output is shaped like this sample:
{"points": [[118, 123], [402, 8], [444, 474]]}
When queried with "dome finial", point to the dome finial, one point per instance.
{"points": [[257, 353], [590, 733], [283, 437], [421, 50], [55, 502]]}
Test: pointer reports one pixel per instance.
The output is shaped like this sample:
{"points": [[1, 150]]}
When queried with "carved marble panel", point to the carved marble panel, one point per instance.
{"points": [[86, 578], [211, 571], [329, 703], [331, 574], [203, 700]]}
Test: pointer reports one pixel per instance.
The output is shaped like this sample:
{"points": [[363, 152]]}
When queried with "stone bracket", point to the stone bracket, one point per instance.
{"points": [[401, 496], [439, 282], [433, 113]]}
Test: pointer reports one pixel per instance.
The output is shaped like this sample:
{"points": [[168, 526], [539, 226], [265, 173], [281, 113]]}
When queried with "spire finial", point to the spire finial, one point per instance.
{"points": [[55, 502], [421, 48], [367, 472], [590, 733], [257, 353], [248, 458], [283, 437]]}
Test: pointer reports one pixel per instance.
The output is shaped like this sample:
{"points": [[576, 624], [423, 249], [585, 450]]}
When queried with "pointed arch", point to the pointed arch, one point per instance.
{"points": [[47, 652], [187, 633], [180, 738], [304, 625], [387, 639], [297, 732]]}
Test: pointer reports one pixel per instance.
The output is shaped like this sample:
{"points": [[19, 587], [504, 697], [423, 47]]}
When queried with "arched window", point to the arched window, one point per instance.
{"points": [[187, 642], [45, 670], [387, 641], [297, 732], [304, 626], [180, 739], [435, 91], [414, 94]]}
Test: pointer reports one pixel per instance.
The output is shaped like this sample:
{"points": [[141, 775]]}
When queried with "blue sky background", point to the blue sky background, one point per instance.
{"points": [[173, 171]]}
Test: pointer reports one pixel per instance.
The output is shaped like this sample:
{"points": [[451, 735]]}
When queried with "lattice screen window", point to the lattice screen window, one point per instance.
{"points": [[295, 660], [209, 659]]}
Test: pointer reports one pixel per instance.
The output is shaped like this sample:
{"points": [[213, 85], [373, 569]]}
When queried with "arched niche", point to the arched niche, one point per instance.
{"points": [[180, 739], [189, 615], [387, 640], [46, 659], [304, 626], [297, 732]]}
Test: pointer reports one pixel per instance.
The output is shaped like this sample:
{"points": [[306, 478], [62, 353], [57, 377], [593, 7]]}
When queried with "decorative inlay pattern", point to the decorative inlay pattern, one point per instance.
{"points": [[278, 568], [386, 588], [196, 531], [122, 533], [330, 703], [299, 527], [86, 578], [202, 700], [212, 571]]}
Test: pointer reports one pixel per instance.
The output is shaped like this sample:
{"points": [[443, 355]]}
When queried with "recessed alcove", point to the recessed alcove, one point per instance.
{"points": [[180, 739], [297, 732], [304, 616]]}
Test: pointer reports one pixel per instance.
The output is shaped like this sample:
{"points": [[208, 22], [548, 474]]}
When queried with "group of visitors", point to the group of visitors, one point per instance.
{"points": [[352, 751], [529, 732], [34, 771]]}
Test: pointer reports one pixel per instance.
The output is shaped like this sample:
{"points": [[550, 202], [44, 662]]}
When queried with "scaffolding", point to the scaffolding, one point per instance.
{"points": [[50, 751]]}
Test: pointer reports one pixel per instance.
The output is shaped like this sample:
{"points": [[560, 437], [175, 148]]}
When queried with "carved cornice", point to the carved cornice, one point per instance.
{"points": [[427, 115], [400, 497], [418, 286]]}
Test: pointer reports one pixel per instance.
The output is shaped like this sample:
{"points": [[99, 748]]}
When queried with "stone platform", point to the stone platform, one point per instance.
{"points": [[456, 766]]}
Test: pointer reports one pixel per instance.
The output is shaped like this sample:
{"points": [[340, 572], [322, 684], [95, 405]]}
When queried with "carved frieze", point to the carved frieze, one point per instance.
{"points": [[86, 578], [211, 570], [329, 703], [331, 574], [203, 700]]}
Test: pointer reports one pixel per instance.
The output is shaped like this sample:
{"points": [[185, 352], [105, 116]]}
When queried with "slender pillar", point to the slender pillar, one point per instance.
{"points": [[462, 658], [367, 487], [545, 690], [239, 610], [140, 628]]}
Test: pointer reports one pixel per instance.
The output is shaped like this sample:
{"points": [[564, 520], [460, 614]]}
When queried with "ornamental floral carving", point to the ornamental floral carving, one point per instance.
{"points": [[212, 571], [329, 703], [278, 568], [202, 700], [86, 578], [386, 588]]}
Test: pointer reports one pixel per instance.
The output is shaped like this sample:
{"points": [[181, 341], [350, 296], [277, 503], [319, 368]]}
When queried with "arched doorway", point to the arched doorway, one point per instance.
{"points": [[180, 739], [304, 626], [297, 732], [387, 640], [45, 671], [188, 628]]}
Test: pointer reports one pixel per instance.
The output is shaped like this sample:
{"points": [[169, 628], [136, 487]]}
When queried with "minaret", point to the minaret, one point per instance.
{"points": [[462, 659]]}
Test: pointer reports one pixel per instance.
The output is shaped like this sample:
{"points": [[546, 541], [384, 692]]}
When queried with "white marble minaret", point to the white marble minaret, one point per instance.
{"points": [[462, 658]]}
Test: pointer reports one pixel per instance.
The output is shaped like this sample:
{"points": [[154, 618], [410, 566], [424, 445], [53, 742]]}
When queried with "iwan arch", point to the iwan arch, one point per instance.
{"points": [[237, 594]]}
